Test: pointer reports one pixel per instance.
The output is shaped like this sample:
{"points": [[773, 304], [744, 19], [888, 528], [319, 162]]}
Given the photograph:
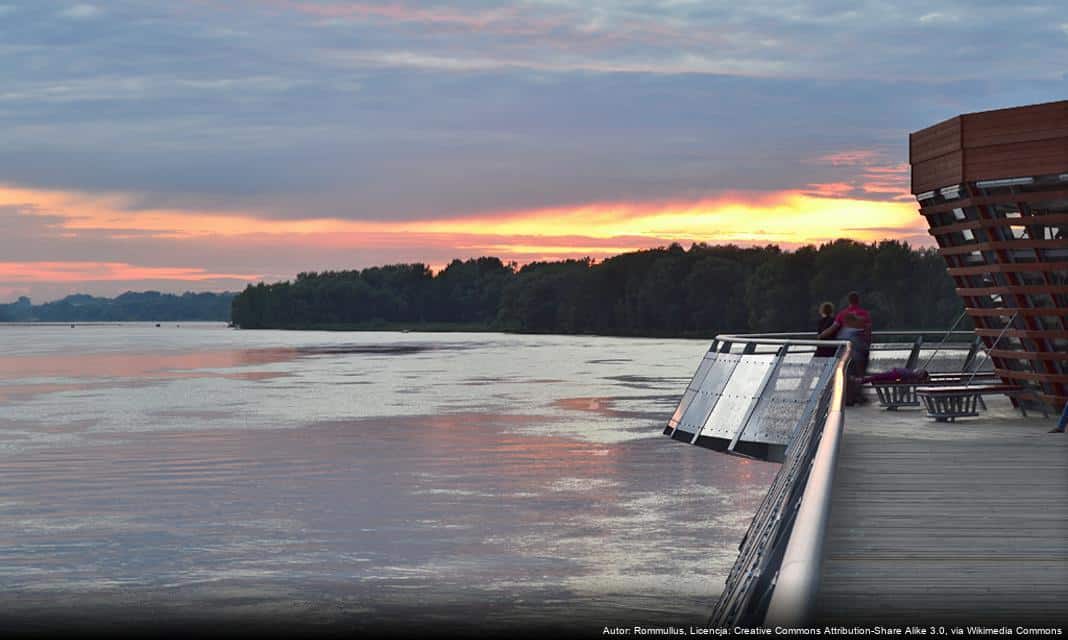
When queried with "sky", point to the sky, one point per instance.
{"points": [[206, 144]]}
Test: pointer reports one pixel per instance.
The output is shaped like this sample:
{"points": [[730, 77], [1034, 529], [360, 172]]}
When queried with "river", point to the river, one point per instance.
{"points": [[194, 473]]}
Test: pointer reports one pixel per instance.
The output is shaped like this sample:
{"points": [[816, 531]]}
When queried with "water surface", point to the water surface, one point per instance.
{"points": [[198, 473]]}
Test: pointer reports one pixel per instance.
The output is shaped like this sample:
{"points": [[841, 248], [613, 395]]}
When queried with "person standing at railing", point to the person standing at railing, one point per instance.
{"points": [[825, 321], [858, 364], [853, 331]]}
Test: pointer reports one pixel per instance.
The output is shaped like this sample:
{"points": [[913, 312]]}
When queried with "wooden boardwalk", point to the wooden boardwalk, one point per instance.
{"points": [[963, 523]]}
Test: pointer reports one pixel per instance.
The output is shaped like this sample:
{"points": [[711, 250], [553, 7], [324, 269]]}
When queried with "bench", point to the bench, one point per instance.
{"points": [[895, 394], [950, 402], [902, 393]]}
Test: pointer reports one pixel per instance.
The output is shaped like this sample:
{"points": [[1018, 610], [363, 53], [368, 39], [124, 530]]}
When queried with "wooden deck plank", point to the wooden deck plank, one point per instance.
{"points": [[963, 523]]}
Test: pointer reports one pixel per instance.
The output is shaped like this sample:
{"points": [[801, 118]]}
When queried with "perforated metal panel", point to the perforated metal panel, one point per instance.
{"points": [[707, 395], [788, 395], [762, 396], [737, 397], [695, 384]]}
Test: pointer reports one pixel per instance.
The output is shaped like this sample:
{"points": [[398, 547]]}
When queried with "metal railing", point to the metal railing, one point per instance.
{"points": [[776, 576]]}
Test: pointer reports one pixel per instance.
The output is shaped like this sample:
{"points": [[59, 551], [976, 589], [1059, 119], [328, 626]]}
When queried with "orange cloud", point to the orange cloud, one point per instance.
{"points": [[831, 189], [97, 271], [850, 158], [597, 230], [787, 216], [876, 175]]}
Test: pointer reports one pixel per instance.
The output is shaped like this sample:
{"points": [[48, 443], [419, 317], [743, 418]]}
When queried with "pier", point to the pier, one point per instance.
{"points": [[963, 522], [880, 517]]}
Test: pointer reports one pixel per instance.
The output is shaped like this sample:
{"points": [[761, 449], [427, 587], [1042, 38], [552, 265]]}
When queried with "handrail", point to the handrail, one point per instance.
{"points": [[805, 337], [903, 332], [775, 580], [797, 584], [776, 577]]}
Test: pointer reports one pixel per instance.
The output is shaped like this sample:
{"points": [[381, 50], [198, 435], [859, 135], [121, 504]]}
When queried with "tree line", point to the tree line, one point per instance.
{"points": [[145, 306], [670, 291]]}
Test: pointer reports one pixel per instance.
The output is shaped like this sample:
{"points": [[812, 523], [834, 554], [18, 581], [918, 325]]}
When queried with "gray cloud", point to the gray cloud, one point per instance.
{"points": [[390, 111]]}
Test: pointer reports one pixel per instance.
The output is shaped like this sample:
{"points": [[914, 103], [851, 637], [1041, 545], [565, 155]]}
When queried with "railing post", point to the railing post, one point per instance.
{"points": [[914, 355], [972, 352], [780, 355]]}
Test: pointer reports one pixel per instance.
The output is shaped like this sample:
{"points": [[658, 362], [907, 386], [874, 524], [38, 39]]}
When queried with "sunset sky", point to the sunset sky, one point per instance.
{"points": [[205, 144]]}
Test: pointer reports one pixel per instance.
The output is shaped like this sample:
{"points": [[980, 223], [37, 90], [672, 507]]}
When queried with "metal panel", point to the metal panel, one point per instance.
{"points": [[771, 372], [746, 383], [784, 402], [693, 387], [707, 395]]}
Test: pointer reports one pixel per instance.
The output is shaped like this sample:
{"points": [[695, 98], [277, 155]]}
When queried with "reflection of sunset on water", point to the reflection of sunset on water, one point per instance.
{"points": [[134, 365], [364, 470]]}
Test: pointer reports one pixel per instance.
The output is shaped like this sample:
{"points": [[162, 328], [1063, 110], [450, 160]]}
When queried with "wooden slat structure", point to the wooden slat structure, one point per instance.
{"points": [[947, 523], [994, 189]]}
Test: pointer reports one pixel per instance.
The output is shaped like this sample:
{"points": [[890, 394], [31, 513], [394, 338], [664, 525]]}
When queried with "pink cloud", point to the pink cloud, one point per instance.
{"points": [[60, 271], [874, 174]]}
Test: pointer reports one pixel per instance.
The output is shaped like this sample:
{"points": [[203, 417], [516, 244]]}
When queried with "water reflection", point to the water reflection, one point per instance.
{"points": [[496, 479], [133, 365]]}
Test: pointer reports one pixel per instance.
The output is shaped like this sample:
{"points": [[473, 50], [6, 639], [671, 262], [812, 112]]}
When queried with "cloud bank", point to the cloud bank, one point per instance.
{"points": [[221, 141]]}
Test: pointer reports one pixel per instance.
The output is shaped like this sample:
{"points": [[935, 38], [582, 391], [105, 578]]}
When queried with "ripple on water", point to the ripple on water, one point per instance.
{"points": [[243, 472]]}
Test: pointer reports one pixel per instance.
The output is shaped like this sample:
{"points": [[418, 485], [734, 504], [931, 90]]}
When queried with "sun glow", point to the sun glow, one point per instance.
{"points": [[790, 217], [598, 230]]}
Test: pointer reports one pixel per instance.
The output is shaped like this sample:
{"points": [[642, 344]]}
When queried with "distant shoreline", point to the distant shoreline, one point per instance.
{"points": [[105, 323], [132, 306], [343, 328], [469, 328]]}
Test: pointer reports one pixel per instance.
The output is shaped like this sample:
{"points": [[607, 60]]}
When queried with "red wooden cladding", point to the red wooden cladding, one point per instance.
{"points": [[938, 172], [1036, 197], [1024, 289], [1052, 355], [1035, 158], [1052, 218], [1016, 125], [976, 312], [962, 152], [1023, 333], [1034, 377], [935, 141], [1019, 267], [1000, 244], [1005, 143]]}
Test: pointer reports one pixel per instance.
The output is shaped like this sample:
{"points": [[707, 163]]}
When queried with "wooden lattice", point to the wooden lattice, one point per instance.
{"points": [[993, 187]]}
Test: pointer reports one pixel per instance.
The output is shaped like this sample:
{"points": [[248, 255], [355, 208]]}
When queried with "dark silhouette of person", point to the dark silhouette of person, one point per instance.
{"points": [[858, 319], [825, 321]]}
